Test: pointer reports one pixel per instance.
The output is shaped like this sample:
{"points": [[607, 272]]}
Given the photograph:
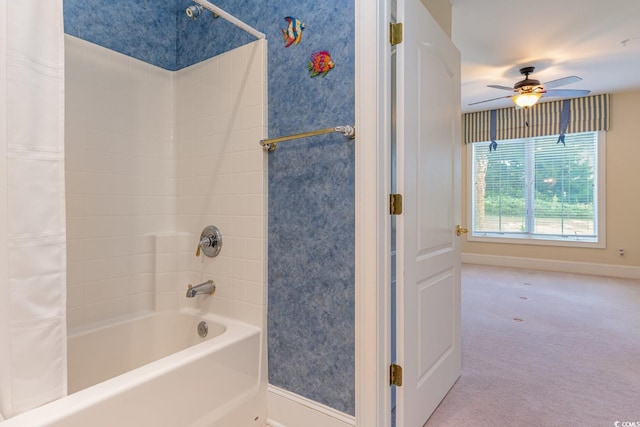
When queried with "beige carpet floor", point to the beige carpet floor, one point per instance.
{"points": [[543, 349]]}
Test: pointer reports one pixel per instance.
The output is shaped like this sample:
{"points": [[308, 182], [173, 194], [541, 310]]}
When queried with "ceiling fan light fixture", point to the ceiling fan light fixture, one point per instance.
{"points": [[526, 100]]}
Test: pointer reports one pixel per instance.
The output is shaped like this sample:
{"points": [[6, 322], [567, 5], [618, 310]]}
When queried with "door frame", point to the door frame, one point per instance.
{"points": [[372, 231]]}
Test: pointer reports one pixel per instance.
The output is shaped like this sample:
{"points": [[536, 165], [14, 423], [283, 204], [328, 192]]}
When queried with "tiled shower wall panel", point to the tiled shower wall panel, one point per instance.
{"points": [[221, 179], [119, 178]]}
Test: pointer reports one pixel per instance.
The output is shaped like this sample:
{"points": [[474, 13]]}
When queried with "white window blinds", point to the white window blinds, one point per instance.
{"points": [[535, 187]]}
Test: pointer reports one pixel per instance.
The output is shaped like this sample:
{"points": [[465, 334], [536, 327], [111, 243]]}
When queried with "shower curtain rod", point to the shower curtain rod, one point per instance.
{"points": [[271, 143], [235, 21]]}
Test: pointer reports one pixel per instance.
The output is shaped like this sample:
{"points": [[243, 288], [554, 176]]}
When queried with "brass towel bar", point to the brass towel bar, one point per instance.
{"points": [[271, 143]]}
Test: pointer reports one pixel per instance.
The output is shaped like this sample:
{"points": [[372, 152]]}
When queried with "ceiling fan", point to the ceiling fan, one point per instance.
{"points": [[529, 91]]}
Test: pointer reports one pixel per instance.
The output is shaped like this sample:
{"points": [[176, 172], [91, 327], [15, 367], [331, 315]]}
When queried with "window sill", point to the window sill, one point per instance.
{"points": [[537, 240]]}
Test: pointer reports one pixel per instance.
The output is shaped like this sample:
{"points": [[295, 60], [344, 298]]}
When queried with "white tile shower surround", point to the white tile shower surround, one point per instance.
{"points": [[152, 158]]}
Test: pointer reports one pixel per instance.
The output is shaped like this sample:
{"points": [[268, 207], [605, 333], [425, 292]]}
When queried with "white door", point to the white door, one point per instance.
{"points": [[428, 260]]}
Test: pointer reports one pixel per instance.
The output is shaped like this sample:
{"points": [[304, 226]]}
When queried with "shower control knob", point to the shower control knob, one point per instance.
{"points": [[210, 241], [206, 241]]}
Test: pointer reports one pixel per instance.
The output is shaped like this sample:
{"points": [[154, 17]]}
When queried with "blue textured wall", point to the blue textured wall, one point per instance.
{"points": [[143, 29], [311, 182], [208, 36], [311, 201], [311, 209]]}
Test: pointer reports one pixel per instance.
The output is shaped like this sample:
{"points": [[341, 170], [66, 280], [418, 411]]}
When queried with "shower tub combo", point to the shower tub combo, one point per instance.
{"points": [[160, 368], [156, 370]]}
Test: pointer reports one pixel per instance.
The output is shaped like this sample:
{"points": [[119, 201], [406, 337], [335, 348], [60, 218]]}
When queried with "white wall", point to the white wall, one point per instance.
{"points": [[119, 179], [221, 178], [152, 158]]}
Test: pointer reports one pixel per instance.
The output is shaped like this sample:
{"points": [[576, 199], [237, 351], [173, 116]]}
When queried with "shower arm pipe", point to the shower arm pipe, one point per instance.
{"points": [[271, 143], [235, 21]]}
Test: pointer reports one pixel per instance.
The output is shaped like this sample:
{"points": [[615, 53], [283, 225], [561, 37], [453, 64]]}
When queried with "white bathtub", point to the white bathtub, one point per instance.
{"points": [[157, 371]]}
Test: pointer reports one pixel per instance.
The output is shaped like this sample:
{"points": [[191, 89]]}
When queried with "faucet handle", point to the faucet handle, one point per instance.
{"points": [[210, 241], [206, 242]]}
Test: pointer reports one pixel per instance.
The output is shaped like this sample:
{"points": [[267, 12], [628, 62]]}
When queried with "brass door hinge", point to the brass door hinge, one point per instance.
{"points": [[395, 33], [395, 204], [395, 375]]}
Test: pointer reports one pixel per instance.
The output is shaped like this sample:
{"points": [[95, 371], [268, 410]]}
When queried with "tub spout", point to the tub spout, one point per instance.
{"points": [[207, 287]]}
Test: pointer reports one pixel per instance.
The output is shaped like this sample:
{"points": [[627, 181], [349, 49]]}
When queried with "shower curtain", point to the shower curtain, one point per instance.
{"points": [[32, 213]]}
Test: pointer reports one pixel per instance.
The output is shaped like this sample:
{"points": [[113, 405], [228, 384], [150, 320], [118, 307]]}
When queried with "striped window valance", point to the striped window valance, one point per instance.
{"points": [[587, 114]]}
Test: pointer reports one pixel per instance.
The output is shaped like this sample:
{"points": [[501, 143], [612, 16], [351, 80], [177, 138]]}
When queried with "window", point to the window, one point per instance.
{"points": [[538, 189]]}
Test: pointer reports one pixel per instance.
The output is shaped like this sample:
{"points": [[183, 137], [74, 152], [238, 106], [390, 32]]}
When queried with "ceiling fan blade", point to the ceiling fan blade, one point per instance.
{"points": [[567, 93], [510, 89], [492, 99], [561, 82]]}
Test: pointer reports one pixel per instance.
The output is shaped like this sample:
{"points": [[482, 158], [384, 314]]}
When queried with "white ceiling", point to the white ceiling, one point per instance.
{"points": [[598, 40]]}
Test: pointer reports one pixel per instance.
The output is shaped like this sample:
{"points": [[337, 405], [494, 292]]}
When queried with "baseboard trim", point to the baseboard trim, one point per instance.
{"points": [[609, 270], [286, 409]]}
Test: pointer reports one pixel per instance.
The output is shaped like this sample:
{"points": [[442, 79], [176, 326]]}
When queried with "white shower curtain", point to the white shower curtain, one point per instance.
{"points": [[32, 215]]}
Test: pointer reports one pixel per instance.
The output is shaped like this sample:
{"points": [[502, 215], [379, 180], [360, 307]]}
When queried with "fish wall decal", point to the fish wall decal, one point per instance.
{"points": [[320, 64], [293, 33]]}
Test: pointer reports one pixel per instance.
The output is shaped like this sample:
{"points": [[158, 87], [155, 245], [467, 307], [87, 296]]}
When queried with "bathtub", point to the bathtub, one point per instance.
{"points": [[155, 370]]}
